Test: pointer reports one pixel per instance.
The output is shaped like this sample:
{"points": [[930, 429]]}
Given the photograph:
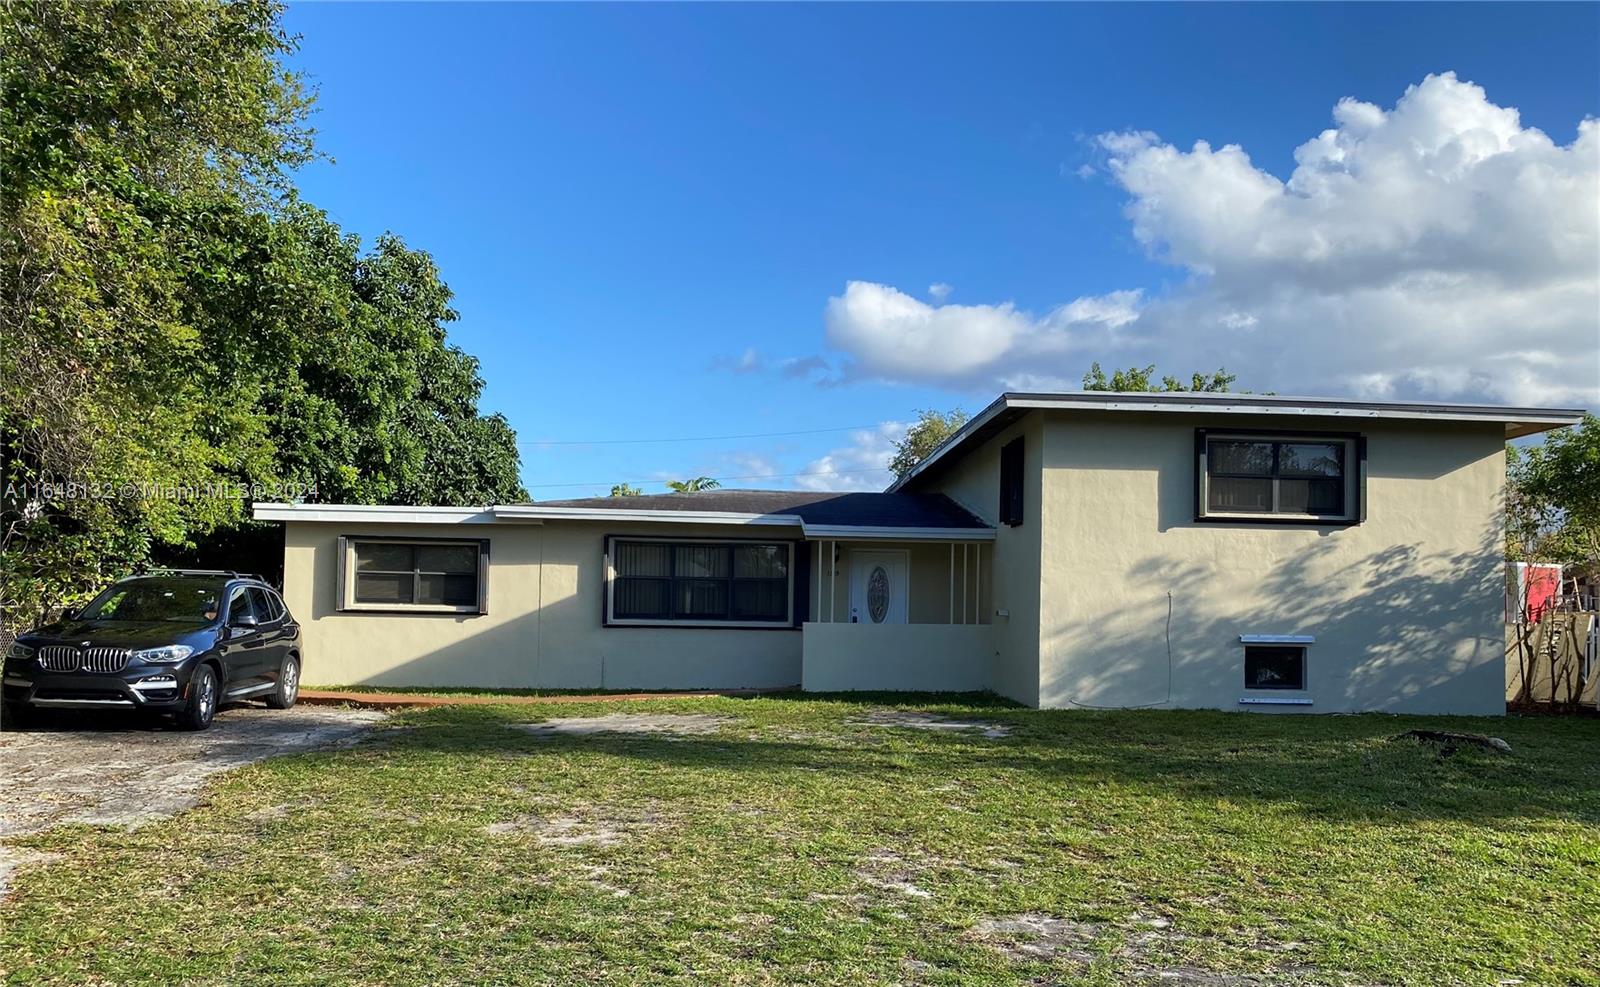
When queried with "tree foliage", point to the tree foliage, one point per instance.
{"points": [[1143, 379], [177, 326], [925, 435], [625, 490], [693, 485], [1553, 498]]}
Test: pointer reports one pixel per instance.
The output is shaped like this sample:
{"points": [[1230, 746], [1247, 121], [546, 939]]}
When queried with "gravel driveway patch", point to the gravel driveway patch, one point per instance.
{"points": [[123, 770]]}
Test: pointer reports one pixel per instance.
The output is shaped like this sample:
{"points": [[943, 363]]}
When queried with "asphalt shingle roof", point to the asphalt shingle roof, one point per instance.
{"points": [[875, 510]]}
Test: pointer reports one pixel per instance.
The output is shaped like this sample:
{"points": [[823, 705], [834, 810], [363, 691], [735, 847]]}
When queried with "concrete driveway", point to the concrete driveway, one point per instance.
{"points": [[123, 770]]}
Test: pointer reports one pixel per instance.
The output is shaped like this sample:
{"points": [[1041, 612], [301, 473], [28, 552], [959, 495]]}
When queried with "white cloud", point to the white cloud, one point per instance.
{"points": [[748, 362], [889, 334], [939, 291], [1438, 249], [861, 465]]}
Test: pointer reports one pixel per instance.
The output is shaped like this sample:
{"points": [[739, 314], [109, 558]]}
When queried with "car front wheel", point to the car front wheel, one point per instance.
{"points": [[202, 705], [288, 685]]}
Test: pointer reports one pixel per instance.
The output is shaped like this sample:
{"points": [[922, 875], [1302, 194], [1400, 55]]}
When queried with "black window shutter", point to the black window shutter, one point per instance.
{"points": [[1011, 477]]}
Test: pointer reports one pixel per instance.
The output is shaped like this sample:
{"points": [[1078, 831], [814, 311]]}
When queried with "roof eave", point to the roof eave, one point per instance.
{"points": [[1518, 422]]}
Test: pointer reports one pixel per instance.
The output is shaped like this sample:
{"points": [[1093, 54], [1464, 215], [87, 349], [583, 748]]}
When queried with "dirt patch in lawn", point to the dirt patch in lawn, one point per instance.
{"points": [[681, 724], [1143, 949], [576, 829], [929, 721], [888, 870]]}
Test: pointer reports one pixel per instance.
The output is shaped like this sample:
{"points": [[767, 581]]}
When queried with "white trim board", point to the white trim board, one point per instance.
{"points": [[535, 514], [1517, 421], [1277, 639], [373, 514]]}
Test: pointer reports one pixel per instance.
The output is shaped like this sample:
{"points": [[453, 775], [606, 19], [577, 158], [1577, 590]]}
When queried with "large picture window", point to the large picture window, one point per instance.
{"points": [[385, 574], [712, 583], [1277, 477]]}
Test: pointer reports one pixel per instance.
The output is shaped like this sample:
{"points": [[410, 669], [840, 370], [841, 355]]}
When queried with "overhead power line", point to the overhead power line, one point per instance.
{"points": [[693, 438], [719, 479]]}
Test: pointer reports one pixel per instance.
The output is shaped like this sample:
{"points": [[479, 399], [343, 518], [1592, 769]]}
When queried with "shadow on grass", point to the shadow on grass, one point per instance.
{"points": [[1325, 768]]}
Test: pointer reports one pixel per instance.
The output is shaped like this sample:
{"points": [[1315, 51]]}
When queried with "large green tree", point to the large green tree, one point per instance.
{"points": [[174, 320]]}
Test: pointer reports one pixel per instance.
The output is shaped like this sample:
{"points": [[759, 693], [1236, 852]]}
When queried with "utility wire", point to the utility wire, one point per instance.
{"points": [[695, 438], [719, 479]]}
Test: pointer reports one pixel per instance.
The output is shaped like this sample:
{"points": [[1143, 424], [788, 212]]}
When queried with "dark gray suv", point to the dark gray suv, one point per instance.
{"points": [[180, 642]]}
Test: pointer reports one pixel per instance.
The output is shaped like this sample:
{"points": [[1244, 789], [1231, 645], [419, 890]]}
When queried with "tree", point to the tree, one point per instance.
{"points": [[625, 490], [927, 434], [1553, 497], [694, 485], [1142, 379], [175, 319]]}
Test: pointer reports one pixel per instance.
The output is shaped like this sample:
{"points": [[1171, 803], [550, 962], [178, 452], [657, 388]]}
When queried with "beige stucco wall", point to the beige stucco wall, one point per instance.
{"points": [[543, 626], [1013, 580], [926, 657], [1405, 607]]}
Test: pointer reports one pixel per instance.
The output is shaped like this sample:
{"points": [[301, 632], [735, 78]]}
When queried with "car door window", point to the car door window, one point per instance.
{"points": [[262, 608], [239, 606], [279, 609]]}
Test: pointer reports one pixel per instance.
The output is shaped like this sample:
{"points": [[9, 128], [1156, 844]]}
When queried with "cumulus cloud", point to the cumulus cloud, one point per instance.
{"points": [[939, 291], [1437, 249], [889, 334], [861, 465]]}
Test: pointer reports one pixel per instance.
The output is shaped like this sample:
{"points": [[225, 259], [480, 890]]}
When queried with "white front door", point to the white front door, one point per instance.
{"points": [[878, 587]]}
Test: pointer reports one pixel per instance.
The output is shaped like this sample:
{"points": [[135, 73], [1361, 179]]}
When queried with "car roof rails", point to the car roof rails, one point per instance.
{"points": [[162, 570]]}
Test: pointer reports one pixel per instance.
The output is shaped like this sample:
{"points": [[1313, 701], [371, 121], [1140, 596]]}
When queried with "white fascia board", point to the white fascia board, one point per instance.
{"points": [[1277, 639], [532, 512], [372, 514], [1517, 421], [1234, 404], [844, 532]]}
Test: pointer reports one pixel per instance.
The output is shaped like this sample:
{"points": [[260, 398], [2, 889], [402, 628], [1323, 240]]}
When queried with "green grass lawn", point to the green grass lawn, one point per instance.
{"points": [[797, 845]]}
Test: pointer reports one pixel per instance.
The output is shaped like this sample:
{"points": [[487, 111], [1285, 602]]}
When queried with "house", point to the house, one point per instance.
{"points": [[1066, 550]]}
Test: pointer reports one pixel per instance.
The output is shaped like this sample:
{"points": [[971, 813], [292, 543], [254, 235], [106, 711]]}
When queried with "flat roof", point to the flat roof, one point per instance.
{"points": [[836, 515], [1012, 405]]}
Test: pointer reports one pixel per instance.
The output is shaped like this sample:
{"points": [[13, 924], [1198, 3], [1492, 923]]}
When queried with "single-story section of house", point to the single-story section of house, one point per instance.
{"points": [[1066, 550]]}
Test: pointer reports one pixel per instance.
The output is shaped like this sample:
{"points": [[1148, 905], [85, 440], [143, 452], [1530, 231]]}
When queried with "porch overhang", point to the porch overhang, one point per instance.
{"points": [[846, 532]]}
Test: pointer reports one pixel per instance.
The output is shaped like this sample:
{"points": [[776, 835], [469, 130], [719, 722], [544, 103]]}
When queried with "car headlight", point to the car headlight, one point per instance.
{"points": [[164, 655], [19, 650]]}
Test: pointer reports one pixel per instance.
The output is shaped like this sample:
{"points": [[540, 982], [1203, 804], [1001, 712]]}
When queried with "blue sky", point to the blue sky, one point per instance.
{"points": [[650, 214]]}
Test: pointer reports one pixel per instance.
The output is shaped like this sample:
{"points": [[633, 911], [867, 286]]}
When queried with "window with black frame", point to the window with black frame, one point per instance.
{"points": [[1295, 477], [700, 582], [416, 574], [1274, 666]]}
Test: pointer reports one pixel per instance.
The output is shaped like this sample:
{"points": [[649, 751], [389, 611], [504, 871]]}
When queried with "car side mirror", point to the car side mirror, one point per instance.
{"points": [[244, 623]]}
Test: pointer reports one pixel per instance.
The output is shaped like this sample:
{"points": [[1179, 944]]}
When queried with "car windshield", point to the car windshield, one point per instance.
{"points": [[175, 600]]}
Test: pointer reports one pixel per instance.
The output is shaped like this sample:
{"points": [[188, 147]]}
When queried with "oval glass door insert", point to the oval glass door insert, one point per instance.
{"points": [[878, 594]]}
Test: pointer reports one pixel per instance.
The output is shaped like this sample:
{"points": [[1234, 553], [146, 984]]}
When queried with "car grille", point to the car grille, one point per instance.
{"points": [[63, 658]]}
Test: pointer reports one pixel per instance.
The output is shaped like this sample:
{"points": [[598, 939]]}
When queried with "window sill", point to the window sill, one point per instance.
{"points": [[415, 609], [1296, 520], [1274, 701], [700, 625]]}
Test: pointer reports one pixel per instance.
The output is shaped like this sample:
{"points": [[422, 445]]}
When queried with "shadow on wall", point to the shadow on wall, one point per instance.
{"points": [[1399, 628]]}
